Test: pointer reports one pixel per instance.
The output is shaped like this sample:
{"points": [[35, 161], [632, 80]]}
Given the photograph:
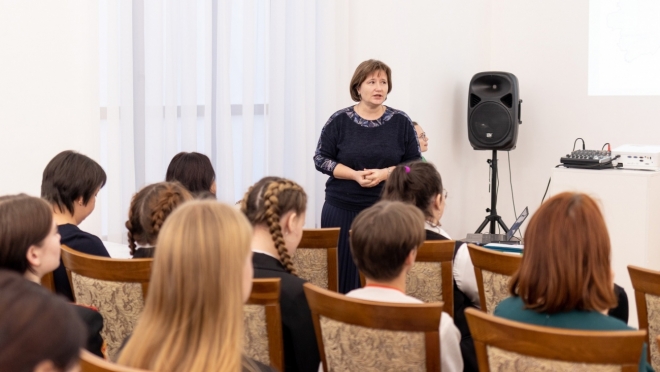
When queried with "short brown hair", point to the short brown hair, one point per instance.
{"points": [[363, 71], [68, 176], [193, 170], [24, 221], [383, 236], [566, 265], [417, 183]]}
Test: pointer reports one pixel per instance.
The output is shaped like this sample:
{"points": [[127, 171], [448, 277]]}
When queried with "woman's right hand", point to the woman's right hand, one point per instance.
{"points": [[362, 178]]}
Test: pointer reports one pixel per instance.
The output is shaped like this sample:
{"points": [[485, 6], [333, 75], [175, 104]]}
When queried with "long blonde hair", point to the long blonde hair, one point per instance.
{"points": [[193, 315]]}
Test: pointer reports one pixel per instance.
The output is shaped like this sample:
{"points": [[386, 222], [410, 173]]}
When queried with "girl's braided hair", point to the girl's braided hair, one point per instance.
{"points": [[149, 209], [267, 201]]}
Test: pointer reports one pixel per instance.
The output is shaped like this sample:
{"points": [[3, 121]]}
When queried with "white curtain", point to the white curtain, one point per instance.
{"points": [[249, 83]]}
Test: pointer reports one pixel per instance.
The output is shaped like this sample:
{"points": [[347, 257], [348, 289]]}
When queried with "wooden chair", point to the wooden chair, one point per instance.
{"points": [[116, 287], [91, 363], [48, 282], [493, 271], [358, 335], [431, 278], [263, 323], [504, 345], [647, 297], [316, 257]]}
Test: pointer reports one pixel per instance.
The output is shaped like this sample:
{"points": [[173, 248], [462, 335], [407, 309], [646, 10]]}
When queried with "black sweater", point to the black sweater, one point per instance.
{"points": [[362, 144], [300, 350], [84, 242]]}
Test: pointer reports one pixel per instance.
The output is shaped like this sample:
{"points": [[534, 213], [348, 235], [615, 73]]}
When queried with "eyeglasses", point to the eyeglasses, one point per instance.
{"points": [[445, 193], [423, 136]]}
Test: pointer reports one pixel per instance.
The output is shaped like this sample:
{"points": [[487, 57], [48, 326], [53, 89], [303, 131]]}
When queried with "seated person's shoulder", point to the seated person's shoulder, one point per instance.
{"points": [[82, 241], [513, 303]]}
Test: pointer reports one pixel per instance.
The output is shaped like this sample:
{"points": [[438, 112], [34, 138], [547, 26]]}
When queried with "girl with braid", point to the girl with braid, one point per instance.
{"points": [[276, 209], [147, 213]]}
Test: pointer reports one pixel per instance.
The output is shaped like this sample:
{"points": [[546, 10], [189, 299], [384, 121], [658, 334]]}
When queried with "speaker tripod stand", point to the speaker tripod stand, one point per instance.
{"points": [[493, 218]]}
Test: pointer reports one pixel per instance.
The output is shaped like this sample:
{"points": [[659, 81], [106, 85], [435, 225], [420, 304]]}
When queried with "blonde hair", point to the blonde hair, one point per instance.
{"points": [[267, 201], [193, 315]]}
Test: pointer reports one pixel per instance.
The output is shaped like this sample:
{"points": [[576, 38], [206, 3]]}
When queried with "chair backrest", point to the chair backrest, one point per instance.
{"points": [[647, 297], [431, 278], [493, 271], [504, 345], [116, 287], [48, 282], [91, 363], [316, 257], [357, 335], [263, 323]]}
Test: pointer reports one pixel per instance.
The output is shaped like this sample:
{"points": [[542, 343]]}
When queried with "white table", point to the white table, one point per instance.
{"points": [[117, 250], [630, 203]]}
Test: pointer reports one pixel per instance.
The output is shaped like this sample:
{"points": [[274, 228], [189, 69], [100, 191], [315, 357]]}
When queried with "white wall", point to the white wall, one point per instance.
{"points": [[434, 48], [48, 89], [545, 44]]}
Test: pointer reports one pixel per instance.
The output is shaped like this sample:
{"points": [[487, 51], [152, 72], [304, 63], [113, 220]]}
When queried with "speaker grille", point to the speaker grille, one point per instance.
{"points": [[474, 100], [489, 123], [507, 100]]}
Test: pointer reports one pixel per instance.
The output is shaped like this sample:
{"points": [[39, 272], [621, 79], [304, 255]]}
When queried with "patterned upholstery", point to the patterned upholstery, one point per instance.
{"points": [[256, 333], [653, 314], [312, 265], [496, 289], [502, 360], [355, 348], [120, 304], [424, 281]]}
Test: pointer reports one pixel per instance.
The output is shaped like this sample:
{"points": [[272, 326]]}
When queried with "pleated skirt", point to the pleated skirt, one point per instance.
{"points": [[331, 216]]}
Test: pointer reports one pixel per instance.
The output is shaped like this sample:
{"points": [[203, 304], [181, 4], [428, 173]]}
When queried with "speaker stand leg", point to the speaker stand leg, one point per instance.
{"points": [[493, 218]]}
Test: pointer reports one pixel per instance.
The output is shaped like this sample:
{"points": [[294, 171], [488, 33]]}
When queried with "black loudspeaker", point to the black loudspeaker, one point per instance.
{"points": [[493, 111]]}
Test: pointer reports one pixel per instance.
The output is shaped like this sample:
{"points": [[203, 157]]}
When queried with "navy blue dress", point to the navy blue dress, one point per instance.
{"points": [[359, 144]]}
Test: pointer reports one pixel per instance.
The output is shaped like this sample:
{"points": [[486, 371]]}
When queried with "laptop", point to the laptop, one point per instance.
{"points": [[514, 228]]}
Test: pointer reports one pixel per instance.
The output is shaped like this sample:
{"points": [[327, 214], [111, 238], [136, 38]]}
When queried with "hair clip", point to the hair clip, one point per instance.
{"points": [[407, 168]]}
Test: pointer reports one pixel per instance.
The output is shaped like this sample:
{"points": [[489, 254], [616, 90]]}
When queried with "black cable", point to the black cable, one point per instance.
{"points": [[603, 148], [508, 155], [546, 190], [497, 194], [574, 143]]}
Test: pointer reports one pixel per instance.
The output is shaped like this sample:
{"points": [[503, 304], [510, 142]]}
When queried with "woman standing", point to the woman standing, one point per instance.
{"points": [[358, 148]]}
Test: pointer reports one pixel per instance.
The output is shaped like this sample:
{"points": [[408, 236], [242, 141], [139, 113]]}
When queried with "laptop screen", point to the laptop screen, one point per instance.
{"points": [[516, 225]]}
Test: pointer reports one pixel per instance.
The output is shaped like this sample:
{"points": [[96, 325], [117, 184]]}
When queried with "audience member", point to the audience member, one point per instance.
{"points": [[384, 241], [422, 137], [276, 209], [147, 213], [70, 184], [30, 246], [420, 184], [39, 332], [565, 279], [202, 275], [194, 171]]}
